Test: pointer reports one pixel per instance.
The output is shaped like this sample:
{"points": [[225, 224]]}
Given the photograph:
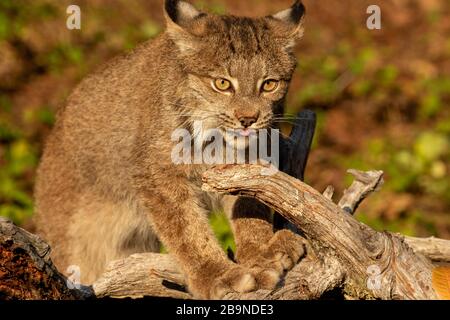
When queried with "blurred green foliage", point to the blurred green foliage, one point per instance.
{"points": [[18, 159], [222, 229], [15, 14], [393, 102]]}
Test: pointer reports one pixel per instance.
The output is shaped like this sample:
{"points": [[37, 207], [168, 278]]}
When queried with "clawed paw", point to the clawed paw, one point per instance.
{"points": [[261, 270], [280, 254], [284, 250], [236, 279]]}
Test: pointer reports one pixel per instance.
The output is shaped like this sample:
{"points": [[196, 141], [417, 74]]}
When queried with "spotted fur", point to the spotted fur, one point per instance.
{"points": [[106, 185]]}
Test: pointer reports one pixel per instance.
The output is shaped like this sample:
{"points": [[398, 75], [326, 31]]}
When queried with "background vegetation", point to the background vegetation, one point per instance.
{"points": [[382, 97]]}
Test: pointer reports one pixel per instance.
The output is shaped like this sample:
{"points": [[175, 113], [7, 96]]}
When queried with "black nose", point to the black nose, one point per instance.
{"points": [[247, 121]]}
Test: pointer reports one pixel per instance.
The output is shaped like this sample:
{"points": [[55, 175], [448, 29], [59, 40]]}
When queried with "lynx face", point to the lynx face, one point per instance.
{"points": [[238, 69]]}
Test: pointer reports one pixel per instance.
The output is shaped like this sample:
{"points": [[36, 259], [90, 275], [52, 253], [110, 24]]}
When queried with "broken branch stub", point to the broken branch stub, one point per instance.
{"points": [[364, 184]]}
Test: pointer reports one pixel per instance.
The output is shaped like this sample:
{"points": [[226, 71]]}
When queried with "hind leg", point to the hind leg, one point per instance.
{"points": [[101, 231]]}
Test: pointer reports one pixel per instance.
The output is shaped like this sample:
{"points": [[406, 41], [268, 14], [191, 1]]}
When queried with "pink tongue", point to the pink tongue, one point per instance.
{"points": [[245, 132]]}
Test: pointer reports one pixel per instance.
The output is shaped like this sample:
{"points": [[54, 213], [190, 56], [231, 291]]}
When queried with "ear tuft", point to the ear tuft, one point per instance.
{"points": [[181, 12], [183, 24], [171, 9], [292, 15], [289, 23]]}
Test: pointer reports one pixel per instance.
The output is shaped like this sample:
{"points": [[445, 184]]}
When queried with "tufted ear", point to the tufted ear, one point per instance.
{"points": [[183, 23], [289, 23], [180, 12]]}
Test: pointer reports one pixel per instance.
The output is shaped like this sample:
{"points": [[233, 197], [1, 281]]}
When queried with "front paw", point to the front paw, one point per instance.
{"points": [[284, 250], [234, 280], [241, 280], [217, 283], [281, 253]]}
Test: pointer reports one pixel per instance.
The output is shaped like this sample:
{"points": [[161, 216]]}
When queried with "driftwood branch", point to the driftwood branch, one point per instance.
{"points": [[438, 250], [140, 275], [365, 254], [344, 257], [157, 275], [310, 279]]}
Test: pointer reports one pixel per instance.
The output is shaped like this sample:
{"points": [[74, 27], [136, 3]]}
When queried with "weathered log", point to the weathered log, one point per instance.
{"points": [[312, 278], [344, 257], [157, 275], [377, 264]]}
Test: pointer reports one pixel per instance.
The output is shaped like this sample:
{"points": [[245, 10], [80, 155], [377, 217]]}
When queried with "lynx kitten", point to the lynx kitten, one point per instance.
{"points": [[107, 187]]}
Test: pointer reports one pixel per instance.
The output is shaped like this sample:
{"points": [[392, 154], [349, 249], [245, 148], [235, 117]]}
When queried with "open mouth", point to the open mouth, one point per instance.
{"points": [[247, 132], [240, 138]]}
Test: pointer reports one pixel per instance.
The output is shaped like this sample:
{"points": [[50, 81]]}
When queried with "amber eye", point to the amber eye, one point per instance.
{"points": [[270, 85], [222, 84]]}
